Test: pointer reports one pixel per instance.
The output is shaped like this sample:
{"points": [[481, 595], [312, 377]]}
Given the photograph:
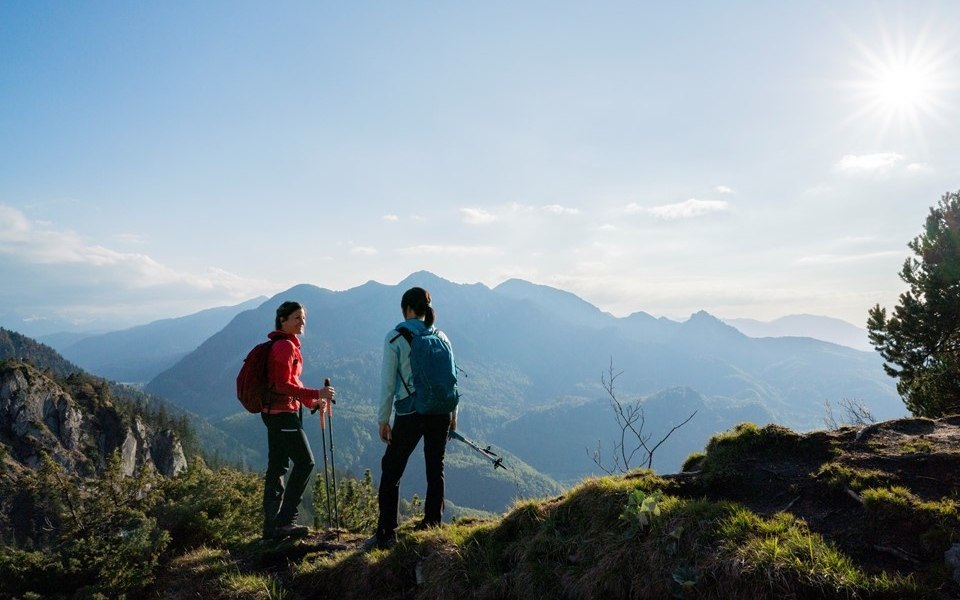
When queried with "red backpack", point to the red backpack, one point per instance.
{"points": [[253, 387]]}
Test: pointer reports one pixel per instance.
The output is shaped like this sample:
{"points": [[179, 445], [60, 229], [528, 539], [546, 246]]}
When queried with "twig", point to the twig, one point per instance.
{"points": [[790, 504], [669, 433], [901, 554], [853, 495]]}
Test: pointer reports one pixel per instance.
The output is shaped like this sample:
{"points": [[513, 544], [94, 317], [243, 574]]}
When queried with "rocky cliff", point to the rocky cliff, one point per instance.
{"points": [[79, 428]]}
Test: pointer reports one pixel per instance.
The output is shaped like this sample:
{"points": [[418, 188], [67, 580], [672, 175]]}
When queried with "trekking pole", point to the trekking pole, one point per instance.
{"points": [[333, 464], [323, 446], [487, 453]]}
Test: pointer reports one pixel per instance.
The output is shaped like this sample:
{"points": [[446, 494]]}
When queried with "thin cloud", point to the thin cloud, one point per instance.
{"points": [[448, 250], [833, 259], [860, 163], [391, 218], [477, 216], [722, 189], [364, 250], [919, 168], [560, 210], [36, 243], [689, 209], [13, 224], [520, 209], [514, 210], [129, 238]]}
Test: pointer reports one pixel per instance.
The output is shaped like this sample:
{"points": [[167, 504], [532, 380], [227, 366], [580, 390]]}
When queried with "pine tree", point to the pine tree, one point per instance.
{"points": [[920, 341]]}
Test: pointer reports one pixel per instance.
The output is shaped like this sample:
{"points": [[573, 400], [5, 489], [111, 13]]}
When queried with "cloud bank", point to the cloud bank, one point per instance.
{"points": [[61, 276]]}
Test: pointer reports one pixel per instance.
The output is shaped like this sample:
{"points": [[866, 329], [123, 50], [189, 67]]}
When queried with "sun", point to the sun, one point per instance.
{"points": [[904, 87], [904, 84]]}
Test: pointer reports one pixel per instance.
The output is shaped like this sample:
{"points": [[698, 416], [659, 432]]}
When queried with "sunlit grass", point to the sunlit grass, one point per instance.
{"points": [[840, 477], [783, 552], [252, 586], [577, 546]]}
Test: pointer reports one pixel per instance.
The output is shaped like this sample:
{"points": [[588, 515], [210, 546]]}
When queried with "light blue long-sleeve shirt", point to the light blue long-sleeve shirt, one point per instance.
{"points": [[394, 396]]}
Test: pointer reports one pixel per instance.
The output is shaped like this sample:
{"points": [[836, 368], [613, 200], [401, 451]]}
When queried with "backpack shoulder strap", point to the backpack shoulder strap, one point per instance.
{"points": [[402, 332], [407, 335], [266, 374]]}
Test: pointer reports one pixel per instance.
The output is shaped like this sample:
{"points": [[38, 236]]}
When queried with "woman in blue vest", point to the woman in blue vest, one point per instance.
{"points": [[397, 397]]}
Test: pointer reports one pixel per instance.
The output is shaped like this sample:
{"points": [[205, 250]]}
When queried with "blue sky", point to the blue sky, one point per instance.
{"points": [[752, 159]]}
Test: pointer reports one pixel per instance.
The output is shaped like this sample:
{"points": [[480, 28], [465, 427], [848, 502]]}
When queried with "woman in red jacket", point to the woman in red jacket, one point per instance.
{"points": [[286, 440]]}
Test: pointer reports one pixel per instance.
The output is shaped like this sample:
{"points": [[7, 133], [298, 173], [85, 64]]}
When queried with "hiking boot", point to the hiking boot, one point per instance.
{"points": [[290, 530], [379, 543], [423, 525]]}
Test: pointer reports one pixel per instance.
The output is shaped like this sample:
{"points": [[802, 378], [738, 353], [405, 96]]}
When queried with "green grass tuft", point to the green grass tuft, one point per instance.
{"points": [[917, 446], [839, 477]]}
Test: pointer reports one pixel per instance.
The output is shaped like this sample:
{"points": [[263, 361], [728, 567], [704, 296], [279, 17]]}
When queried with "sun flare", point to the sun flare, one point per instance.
{"points": [[904, 87], [904, 84]]}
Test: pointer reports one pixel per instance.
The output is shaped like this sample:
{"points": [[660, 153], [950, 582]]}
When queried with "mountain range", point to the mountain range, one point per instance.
{"points": [[536, 362], [137, 354], [534, 359]]}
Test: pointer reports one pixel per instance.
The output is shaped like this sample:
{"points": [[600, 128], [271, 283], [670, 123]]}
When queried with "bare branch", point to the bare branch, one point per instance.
{"points": [[631, 420], [597, 458], [828, 419], [857, 412], [669, 433]]}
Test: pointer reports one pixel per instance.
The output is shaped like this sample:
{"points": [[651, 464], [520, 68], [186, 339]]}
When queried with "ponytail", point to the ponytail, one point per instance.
{"points": [[418, 299], [429, 316]]}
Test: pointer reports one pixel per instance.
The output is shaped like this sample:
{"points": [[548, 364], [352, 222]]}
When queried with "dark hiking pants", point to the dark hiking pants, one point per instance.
{"points": [[286, 442], [407, 431]]}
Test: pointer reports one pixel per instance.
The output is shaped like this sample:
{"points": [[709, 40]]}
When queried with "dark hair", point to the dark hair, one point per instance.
{"points": [[285, 310], [418, 299]]}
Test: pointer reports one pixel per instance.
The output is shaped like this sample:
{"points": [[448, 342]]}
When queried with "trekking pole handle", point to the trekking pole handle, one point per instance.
{"points": [[326, 383]]}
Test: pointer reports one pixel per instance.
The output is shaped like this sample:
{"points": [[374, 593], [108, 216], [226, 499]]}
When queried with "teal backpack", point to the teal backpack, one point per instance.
{"points": [[434, 372]]}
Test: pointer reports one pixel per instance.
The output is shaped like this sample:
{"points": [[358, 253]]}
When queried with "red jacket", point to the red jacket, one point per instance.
{"points": [[283, 373]]}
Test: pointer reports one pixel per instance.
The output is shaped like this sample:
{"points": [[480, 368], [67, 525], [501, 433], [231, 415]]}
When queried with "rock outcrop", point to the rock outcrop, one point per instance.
{"points": [[38, 415]]}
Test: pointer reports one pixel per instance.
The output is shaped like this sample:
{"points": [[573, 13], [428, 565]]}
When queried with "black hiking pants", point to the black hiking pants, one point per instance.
{"points": [[286, 442], [406, 433]]}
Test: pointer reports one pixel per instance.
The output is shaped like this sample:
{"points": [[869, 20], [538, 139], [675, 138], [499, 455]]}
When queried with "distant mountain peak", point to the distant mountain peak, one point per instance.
{"points": [[702, 322], [423, 278], [301, 289], [555, 300], [702, 317], [828, 329]]}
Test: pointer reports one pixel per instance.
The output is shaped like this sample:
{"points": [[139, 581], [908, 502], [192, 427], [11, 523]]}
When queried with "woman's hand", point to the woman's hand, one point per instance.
{"points": [[328, 393], [320, 405], [386, 434]]}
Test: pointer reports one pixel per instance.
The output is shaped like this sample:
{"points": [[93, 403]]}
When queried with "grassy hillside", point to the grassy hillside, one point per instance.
{"points": [[762, 513]]}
